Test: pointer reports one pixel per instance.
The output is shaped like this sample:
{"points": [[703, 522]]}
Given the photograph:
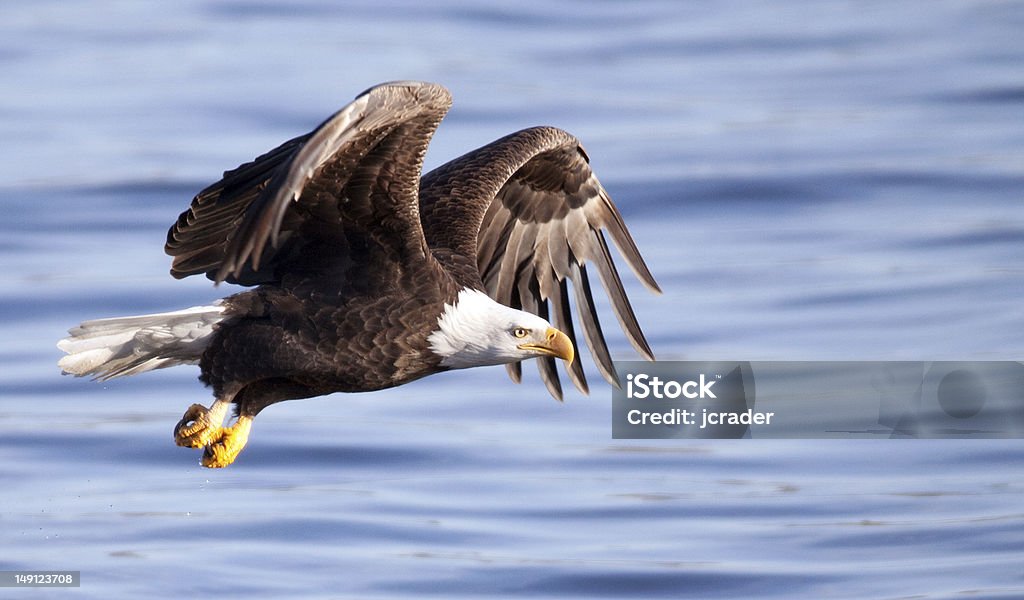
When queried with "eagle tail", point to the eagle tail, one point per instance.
{"points": [[121, 346]]}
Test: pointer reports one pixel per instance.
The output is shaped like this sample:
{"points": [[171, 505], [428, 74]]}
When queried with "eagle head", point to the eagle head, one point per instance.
{"points": [[476, 331]]}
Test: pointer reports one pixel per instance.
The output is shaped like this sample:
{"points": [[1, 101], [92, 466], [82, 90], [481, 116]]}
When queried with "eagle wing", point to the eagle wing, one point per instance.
{"points": [[359, 170], [533, 214]]}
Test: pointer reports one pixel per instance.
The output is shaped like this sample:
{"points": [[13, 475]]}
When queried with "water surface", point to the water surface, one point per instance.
{"points": [[807, 182]]}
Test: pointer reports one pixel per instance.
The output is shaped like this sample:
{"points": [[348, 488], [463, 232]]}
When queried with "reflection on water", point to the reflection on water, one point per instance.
{"points": [[807, 182]]}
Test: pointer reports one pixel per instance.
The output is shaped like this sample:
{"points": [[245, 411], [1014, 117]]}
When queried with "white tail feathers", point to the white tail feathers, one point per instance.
{"points": [[107, 348]]}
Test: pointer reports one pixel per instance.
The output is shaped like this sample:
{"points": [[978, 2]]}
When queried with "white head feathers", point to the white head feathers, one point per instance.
{"points": [[478, 331]]}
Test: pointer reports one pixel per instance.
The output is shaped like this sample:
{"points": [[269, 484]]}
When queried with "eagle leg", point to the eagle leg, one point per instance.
{"points": [[223, 450], [200, 425]]}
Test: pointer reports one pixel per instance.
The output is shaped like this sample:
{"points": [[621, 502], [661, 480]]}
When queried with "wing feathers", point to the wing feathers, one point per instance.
{"points": [[558, 250], [599, 212], [561, 311], [532, 212], [215, 213], [592, 324], [620, 302], [529, 297], [509, 266], [361, 163]]}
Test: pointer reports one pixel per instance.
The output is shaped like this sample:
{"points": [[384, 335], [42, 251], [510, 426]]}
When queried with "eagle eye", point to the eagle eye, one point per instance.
{"points": [[520, 332]]}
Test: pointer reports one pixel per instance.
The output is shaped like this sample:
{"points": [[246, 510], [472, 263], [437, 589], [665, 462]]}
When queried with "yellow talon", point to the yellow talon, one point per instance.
{"points": [[200, 425], [225, 445], [194, 429]]}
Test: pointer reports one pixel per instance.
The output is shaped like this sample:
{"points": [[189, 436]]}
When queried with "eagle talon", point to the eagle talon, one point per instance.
{"points": [[200, 425], [226, 444], [195, 429]]}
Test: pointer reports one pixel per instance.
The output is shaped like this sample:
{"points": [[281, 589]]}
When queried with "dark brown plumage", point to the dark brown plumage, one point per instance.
{"points": [[354, 260]]}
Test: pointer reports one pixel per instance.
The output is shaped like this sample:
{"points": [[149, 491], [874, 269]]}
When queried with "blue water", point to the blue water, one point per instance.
{"points": [[808, 181]]}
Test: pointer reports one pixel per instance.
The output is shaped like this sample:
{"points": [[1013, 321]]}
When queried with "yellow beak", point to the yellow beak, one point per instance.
{"points": [[555, 344]]}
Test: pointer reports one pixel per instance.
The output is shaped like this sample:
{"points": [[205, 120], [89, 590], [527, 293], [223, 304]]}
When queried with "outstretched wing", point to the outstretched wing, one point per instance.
{"points": [[534, 216], [357, 172]]}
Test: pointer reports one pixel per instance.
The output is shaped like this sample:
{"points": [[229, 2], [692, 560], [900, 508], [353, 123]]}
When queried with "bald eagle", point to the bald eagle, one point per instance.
{"points": [[365, 276]]}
